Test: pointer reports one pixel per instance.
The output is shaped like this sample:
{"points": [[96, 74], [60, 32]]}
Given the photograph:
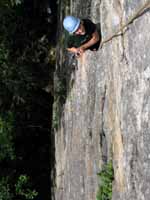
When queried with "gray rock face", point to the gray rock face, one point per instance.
{"points": [[106, 111]]}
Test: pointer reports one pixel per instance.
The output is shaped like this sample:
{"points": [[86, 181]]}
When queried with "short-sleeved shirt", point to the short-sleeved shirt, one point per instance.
{"points": [[78, 40]]}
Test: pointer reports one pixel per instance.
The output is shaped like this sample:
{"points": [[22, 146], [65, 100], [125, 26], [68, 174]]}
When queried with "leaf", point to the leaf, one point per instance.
{"points": [[106, 177]]}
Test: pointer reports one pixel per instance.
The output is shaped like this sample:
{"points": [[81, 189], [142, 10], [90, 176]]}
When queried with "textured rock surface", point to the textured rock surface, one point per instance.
{"points": [[106, 111]]}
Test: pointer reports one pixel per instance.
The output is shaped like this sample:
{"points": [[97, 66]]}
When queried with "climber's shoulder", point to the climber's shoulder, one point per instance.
{"points": [[90, 26]]}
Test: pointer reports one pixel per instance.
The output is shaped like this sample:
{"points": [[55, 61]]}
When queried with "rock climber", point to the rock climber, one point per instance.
{"points": [[83, 35]]}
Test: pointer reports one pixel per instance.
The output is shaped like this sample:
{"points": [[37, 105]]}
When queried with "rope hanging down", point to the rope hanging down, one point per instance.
{"points": [[125, 25]]}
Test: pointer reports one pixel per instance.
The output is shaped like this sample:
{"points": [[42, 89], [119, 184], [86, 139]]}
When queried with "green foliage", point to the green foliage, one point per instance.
{"points": [[5, 193], [9, 3], [6, 144], [26, 57], [15, 2], [22, 188], [26, 62], [106, 177]]}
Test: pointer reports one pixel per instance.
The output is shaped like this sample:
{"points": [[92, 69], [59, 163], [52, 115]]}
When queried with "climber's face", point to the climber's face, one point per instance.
{"points": [[80, 30]]}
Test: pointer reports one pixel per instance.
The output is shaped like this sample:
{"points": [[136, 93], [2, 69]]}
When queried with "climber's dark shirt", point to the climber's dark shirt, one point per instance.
{"points": [[78, 40]]}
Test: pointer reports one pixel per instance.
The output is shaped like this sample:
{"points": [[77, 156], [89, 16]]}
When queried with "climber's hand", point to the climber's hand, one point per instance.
{"points": [[77, 51], [73, 50], [81, 51]]}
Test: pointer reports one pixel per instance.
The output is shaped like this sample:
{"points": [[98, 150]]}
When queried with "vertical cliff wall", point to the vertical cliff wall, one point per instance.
{"points": [[105, 107]]}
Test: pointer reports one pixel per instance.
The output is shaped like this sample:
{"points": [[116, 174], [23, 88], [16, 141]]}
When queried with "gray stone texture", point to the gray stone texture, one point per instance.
{"points": [[106, 113]]}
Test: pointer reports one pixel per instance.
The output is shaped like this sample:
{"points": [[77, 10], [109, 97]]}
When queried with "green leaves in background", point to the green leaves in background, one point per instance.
{"points": [[6, 144], [10, 2], [5, 193], [22, 188]]}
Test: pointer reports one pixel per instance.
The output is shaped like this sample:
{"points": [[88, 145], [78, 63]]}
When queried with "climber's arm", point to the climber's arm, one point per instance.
{"points": [[95, 38], [78, 51]]}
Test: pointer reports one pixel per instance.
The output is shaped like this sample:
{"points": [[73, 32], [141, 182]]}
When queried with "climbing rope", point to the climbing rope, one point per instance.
{"points": [[123, 26]]}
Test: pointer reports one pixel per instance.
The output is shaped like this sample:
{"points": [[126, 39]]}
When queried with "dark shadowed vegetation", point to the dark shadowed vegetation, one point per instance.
{"points": [[27, 61]]}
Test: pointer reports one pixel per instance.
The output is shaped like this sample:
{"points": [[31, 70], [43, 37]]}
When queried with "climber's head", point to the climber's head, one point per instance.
{"points": [[74, 25]]}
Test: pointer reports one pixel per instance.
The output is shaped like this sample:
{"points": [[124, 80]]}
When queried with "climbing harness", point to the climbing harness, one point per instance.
{"points": [[123, 26]]}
